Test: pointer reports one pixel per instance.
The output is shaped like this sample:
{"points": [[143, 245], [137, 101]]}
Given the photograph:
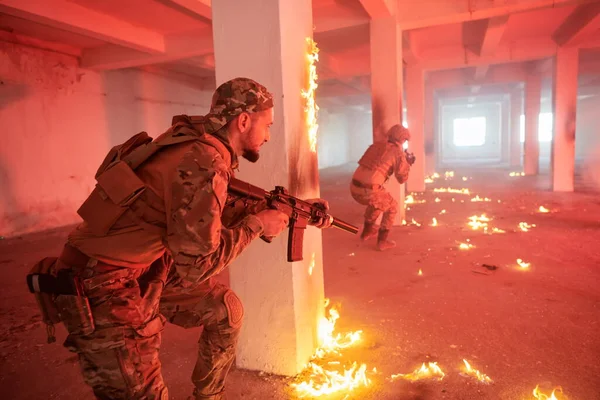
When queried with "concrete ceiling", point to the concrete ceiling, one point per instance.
{"points": [[460, 43]]}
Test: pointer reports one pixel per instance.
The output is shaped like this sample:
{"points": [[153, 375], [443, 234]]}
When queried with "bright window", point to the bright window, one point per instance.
{"points": [[469, 131], [544, 127]]}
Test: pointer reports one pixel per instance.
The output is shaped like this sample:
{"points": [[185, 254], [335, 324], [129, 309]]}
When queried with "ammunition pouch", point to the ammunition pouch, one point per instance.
{"points": [[60, 297]]}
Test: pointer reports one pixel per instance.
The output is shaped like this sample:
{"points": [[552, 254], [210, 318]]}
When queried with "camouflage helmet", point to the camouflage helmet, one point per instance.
{"points": [[398, 134], [234, 97]]}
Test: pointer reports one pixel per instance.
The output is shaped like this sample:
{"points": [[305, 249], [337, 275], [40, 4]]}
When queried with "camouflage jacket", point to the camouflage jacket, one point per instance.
{"points": [[191, 181], [387, 158]]}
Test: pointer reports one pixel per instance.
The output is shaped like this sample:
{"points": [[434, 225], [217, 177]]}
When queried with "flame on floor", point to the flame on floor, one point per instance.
{"points": [[537, 393], [431, 371], [469, 371], [448, 174], [443, 212], [523, 264], [465, 246], [477, 198], [543, 209], [450, 190], [437, 200], [517, 174], [434, 222], [420, 273], [476, 222], [413, 222], [525, 227], [321, 378]]}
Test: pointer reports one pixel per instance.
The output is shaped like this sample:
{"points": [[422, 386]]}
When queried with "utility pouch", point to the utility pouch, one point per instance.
{"points": [[60, 297]]}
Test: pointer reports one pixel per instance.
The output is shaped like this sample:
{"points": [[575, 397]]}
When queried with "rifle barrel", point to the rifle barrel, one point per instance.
{"points": [[345, 226]]}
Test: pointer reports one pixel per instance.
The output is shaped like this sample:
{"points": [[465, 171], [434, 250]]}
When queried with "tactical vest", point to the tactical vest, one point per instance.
{"points": [[374, 158], [119, 190]]}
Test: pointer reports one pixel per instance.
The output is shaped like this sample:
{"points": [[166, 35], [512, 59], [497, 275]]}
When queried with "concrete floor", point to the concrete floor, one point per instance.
{"points": [[520, 327]]}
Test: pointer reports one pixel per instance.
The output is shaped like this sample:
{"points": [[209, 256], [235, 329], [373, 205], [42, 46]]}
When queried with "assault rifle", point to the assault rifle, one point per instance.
{"points": [[410, 157], [299, 212]]}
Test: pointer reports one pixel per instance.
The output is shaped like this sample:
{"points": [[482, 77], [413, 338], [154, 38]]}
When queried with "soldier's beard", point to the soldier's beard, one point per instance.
{"points": [[251, 155]]}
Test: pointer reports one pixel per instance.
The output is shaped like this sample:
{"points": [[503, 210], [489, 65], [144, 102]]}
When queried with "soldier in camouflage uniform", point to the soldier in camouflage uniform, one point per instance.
{"points": [[380, 161], [155, 261]]}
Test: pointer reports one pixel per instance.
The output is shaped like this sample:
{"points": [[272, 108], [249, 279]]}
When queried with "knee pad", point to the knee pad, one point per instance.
{"points": [[235, 309]]}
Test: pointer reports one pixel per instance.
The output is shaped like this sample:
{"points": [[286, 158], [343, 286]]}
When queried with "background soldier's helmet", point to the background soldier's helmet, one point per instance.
{"points": [[398, 134], [235, 97]]}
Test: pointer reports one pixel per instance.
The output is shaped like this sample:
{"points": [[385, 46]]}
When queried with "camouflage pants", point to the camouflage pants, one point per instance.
{"points": [[119, 359], [378, 201]]}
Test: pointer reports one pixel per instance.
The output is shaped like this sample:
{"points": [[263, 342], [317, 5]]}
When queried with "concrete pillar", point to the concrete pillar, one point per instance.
{"points": [[564, 104], [386, 89], [533, 91], [415, 103], [429, 127], [266, 40], [515, 128]]}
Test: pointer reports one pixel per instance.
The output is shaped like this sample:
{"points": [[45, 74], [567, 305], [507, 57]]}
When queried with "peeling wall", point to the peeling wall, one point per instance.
{"points": [[59, 121]]}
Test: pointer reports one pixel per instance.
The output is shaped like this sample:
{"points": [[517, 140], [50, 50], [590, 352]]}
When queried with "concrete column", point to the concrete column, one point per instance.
{"points": [[386, 89], [533, 90], [515, 126], [564, 104], [429, 126], [266, 40], [415, 99]]}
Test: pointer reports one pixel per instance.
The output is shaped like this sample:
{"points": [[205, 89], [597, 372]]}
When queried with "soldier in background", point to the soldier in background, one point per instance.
{"points": [[380, 161], [152, 241]]}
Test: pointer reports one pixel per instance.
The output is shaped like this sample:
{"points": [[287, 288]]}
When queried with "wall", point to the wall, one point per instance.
{"points": [[491, 152], [587, 142], [58, 123], [333, 139], [361, 133]]}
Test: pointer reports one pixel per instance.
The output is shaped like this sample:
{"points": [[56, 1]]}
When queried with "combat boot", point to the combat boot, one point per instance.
{"points": [[382, 241], [369, 231]]}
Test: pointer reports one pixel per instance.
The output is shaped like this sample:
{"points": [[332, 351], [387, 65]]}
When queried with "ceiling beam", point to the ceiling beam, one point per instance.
{"points": [[178, 47], [409, 52], [583, 22], [72, 17], [481, 72], [436, 58], [493, 34], [437, 12], [194, 8], [379, 8]]}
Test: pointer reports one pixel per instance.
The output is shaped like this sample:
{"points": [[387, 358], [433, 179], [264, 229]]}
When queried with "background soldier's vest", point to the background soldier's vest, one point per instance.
{"points": [[376, 159], [119, 190]]}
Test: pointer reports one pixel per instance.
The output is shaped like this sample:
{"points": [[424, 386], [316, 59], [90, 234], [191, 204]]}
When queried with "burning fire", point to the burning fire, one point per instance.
{"points": [[429, 179], [517, 174], [312, 264], [443, 212], [543, 209], [477, 198], [415, 222], [524, 226], [437, 200], [409, 199], [465, 246], [523, 264], [322, 381], [349, 380], [541, 396], [476, 222], [420, 273], [476, 374], [464, 178], [311, 107], [448, 174], [434, 222], [450, 190], [431, 371]]}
